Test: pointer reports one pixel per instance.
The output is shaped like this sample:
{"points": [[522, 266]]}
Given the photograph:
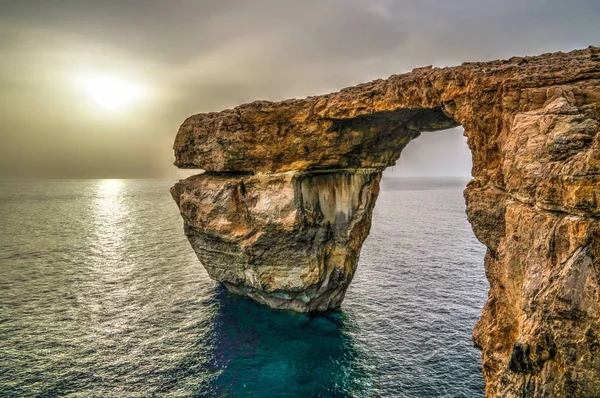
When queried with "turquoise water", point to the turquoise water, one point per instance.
{"points": [[101, 296]]}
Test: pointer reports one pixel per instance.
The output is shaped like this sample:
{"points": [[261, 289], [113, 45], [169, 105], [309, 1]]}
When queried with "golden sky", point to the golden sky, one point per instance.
{"points": [[97, 89]]}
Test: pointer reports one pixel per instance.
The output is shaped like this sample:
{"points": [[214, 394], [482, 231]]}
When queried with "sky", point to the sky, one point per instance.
{"points": [[98, 89]]}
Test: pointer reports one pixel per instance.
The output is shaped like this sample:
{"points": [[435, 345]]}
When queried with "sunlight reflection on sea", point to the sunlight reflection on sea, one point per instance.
{"points": [[101, 295]]}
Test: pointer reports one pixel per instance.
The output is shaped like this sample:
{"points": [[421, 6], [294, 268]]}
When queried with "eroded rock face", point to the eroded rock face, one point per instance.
{"points": [[289, 240], [288, 231]]}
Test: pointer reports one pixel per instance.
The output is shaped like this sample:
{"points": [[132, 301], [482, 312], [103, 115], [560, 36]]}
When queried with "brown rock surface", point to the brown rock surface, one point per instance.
{"points": [[287, 229], [289, 240]]}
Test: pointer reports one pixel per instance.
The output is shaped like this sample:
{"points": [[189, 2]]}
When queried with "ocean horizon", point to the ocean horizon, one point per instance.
{"points": [[102, 295]]}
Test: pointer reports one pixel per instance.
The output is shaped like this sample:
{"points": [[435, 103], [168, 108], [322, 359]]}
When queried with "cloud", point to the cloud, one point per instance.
{"points": [[380, 8], [205, 56]]}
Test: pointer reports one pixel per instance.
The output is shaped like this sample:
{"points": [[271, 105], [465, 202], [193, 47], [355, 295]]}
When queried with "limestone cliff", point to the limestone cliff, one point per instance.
{"points": [[289, 240], [285, 204]]}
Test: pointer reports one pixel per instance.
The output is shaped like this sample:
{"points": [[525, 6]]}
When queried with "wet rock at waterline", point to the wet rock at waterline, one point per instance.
{"points": [[286, 203]]}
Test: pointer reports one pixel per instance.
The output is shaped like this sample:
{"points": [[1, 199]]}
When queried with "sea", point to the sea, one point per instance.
{"points": [[101, 295]]}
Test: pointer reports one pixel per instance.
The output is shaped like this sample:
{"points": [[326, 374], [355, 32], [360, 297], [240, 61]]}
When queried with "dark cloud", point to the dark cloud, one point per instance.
{"points": [[175, 31], [195, 56]]}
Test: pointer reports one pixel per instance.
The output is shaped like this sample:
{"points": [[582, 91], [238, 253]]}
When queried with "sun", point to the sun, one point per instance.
{"points": [[110, 92]]}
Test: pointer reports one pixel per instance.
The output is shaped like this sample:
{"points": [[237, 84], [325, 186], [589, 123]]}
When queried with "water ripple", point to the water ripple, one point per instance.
{"points": [[101, 295]]}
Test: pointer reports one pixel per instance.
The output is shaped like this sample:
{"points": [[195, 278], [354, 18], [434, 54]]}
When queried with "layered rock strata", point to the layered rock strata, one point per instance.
{"points": [[285, 203], [289, 240]]}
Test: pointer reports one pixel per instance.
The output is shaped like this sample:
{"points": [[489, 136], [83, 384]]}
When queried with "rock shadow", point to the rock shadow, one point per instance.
{"points": [[259, 351]]}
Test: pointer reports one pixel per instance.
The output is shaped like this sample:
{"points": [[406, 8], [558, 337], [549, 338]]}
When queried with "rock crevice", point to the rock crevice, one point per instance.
{"points": [[286, 201]]}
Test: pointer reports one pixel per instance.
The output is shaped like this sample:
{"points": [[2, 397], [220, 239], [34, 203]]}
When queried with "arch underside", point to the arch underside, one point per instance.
{"points": [[286, 202]]}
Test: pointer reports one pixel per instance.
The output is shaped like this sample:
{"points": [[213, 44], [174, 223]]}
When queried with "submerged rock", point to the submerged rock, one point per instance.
{"points": [[285, 204]]}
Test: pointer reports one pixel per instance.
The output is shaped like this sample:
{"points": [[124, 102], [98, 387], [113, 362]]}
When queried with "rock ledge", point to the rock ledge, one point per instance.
{"points": [[285, 203]]}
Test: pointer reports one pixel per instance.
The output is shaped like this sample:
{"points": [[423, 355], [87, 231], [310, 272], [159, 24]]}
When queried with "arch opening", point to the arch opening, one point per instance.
{"points": [[423, 264], [290, 234]]}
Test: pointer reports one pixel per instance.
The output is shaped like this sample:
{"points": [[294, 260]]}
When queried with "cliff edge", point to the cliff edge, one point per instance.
{"points": [[285, 202]]}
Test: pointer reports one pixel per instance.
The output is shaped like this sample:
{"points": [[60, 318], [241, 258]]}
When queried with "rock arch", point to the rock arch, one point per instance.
{"points": [[285, 203]]}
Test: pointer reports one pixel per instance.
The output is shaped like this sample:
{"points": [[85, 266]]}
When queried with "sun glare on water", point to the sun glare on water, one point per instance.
{"points": [[110, 92]]}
